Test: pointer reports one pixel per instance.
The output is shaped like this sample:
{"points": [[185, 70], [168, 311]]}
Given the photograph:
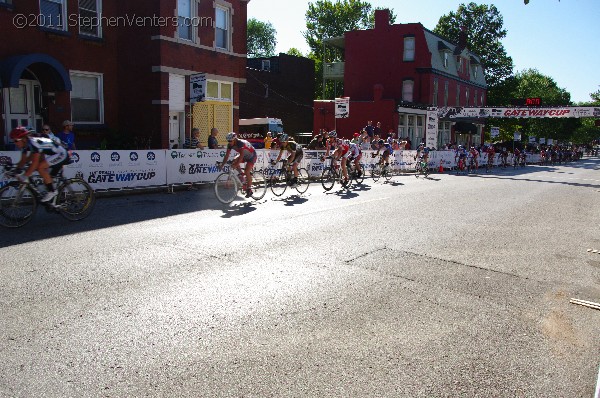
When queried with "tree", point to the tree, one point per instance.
{"points": [[261, 38], [326, 19], [295, 52], [484, 28]]}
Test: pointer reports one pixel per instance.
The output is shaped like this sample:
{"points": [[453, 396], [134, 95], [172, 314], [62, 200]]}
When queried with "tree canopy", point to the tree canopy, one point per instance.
{"points": [[484, 27], [261, 38]]}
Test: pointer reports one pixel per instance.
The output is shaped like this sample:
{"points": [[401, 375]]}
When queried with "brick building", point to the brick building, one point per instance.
{"points": [[120, 69], [392, 73], [282, 87]]}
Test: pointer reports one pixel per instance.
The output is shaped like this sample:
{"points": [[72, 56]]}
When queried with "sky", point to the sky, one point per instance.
{"points": [[559, 38]]}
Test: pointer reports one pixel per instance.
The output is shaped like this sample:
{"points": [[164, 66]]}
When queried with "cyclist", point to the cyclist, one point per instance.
{"points": [[474, 154], [387, 151], [296, 154], [491, 152], [516, 156], [503, 157], [44, 155], [355, 155], [461, 155], [422, 153], [246, 153], [342, 151]]}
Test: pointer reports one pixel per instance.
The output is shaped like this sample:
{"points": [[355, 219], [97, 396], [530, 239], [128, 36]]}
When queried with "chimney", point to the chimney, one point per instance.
{"points": [[462, 38], [382, 18]]}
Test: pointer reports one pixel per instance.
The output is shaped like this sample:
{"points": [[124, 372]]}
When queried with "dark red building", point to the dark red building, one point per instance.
{"points": [[120, 69], [280, 87], [392, 73]]}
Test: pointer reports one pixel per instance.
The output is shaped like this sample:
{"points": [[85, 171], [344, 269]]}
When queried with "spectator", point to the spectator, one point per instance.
{"points": [[408, 145], [67, 136], [377, 130], [370, 129], [355, 138], [268, 140], [194, 142], [213, 143]]}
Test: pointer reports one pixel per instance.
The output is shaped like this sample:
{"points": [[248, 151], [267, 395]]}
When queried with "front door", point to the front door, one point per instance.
{"points": [[175, 129], [23, 105]]}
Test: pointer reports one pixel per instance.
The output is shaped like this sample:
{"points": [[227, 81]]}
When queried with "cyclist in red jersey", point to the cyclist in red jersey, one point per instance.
{"points": [[246, 153]]}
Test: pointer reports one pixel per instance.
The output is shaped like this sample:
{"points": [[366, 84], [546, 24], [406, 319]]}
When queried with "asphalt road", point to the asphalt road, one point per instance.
{"points": [[453, 286]]}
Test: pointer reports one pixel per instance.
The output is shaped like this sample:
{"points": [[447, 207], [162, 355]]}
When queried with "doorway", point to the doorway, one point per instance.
{"points": [[23, 105], [176, 129]]}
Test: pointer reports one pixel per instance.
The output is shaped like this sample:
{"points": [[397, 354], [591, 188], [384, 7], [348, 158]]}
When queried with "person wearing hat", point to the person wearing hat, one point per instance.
{"points": [[67, 136]]}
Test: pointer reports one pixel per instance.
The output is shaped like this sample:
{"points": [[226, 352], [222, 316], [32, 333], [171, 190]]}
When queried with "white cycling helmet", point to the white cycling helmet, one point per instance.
{"points": [[284, 137], [332, 134], [231, 136]]}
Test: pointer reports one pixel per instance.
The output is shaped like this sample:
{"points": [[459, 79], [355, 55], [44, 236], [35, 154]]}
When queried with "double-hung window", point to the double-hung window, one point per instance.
{"points": [[184, 19], [89, 17], [407, 90], [53, 14], [87, 105], [409, 49], [222, 27]]}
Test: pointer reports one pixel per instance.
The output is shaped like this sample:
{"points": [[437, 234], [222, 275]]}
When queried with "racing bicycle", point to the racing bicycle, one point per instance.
{"points": [[333, 173], [381, 170], [19, 200], [281, 178], [228, 184], [421, 168]]}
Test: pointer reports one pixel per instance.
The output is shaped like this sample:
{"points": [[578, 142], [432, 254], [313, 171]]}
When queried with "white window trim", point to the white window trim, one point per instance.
{"points": [[229, 10], [220, 96], [100, 80], [193, 14], [98, 14], [63, 17]]}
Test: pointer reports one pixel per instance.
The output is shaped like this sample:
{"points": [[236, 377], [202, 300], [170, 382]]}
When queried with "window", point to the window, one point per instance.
{"points": [[266, 64], [446, 84], [52, 14], [86, 98], [459, 64], [184, 18], [222, 28], [219, 91], [475, 68], [481, 99], [467, 97], [89, 13], [435, 92], [409, 49], [458, 95], [407, 90], [446, 58], [420, 135]]}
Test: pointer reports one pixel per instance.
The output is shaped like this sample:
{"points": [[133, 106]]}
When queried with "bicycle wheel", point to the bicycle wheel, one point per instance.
{"points": [[303, 181], [259, 185], [387, 173], [226, 188], [17, 205], [425, 171], [328, 178], [360, 178], [278, 183], [75, 200], [376, 172]]}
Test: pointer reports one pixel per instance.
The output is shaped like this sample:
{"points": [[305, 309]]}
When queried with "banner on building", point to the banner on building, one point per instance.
{"points": [[532, 140], [431, 130], [342, 108], [197, 88], [537, 112]]}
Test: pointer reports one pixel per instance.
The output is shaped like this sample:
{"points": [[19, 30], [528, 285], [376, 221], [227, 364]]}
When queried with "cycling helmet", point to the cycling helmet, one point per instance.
{"points": [[460, 147], [19, 132], [332, 134], [381, 142], [284, 137], [339, 141], [422, 144], [231, 136], [347, 142]]}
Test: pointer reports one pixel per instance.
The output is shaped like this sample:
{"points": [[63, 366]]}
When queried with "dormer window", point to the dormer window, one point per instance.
{"points": [[409, 49], [475, 69], [446, 59], [266, 65], [459, 63]]}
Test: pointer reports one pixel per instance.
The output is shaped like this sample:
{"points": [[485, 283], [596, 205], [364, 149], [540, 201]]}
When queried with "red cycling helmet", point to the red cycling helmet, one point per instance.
{"points": [[18, 133]]}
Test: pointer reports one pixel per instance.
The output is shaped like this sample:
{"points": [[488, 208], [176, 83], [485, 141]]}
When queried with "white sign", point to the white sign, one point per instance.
{"points": [[495, 132], [517, 136], [342, 108], [197, 88], [542, 140], [532, 140], [558, 112], [431, 130], [550, 141]]}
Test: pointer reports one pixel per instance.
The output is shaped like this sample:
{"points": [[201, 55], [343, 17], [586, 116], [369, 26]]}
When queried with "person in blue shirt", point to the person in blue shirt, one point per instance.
{"points": [[67, 136]]}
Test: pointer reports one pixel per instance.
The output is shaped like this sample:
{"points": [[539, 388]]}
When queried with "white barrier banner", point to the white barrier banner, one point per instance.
{"points": [[186, 166], [119, 169]]}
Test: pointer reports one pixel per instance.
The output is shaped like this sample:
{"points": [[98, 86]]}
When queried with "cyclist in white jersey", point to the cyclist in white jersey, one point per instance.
{"points": [[43, 155]]}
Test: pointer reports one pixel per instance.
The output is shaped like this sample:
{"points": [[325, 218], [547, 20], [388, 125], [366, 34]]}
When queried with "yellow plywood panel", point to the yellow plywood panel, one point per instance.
{"points": [[209, 114]]}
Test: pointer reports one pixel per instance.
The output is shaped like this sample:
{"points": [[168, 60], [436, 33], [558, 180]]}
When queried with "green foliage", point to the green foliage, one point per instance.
{"points": [[484, 28], [327, 19], [260, 38], [295, 52]]}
